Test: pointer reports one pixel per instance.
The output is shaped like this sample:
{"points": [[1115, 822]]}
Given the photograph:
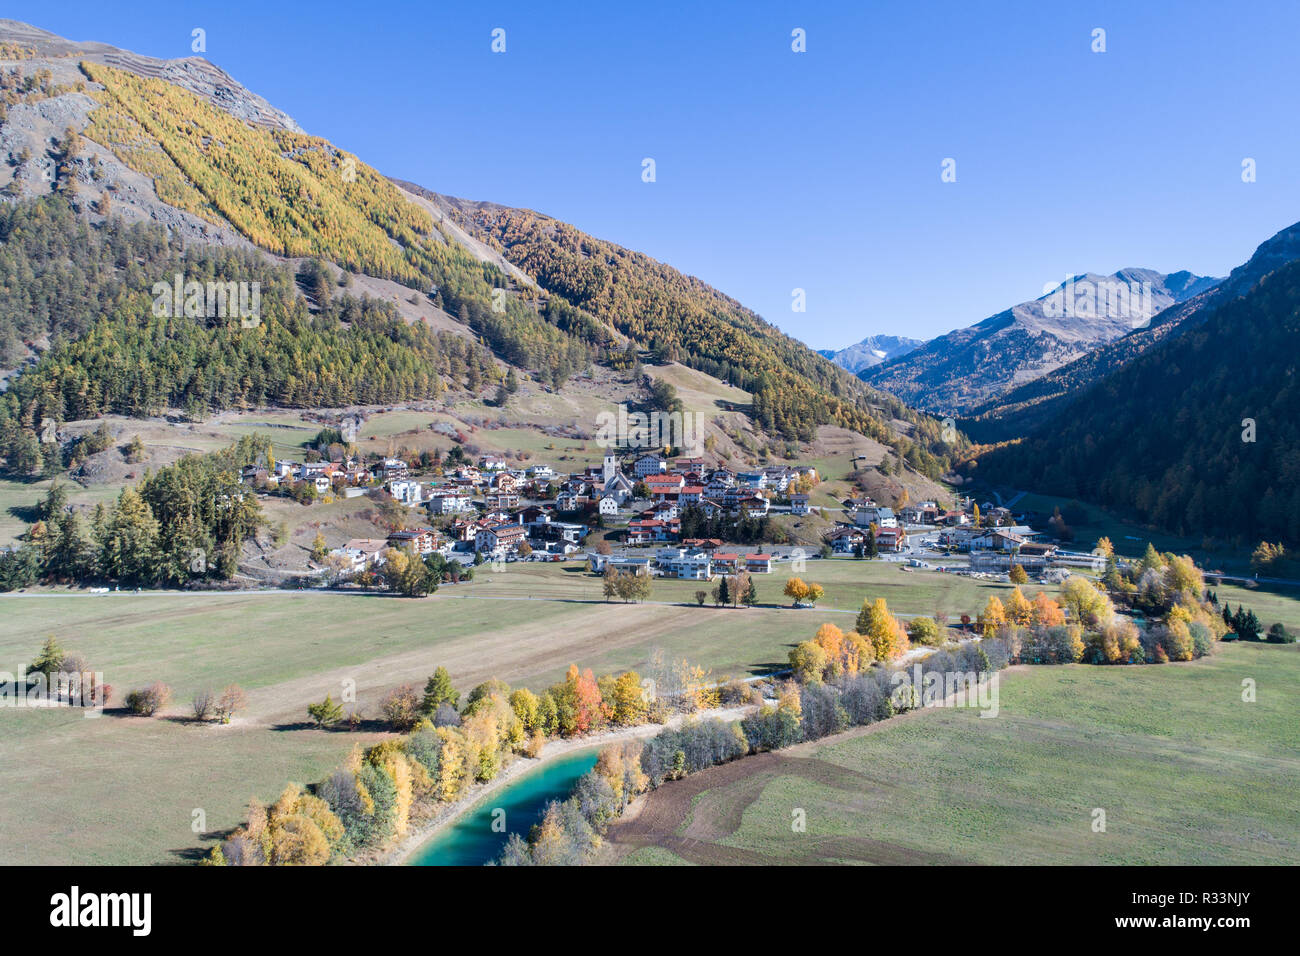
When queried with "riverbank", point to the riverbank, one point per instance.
{"points": [[445, 815]]}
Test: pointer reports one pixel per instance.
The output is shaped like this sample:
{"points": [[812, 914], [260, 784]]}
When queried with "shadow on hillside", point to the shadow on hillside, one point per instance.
{"points": [[368, 725], [27, 514]]}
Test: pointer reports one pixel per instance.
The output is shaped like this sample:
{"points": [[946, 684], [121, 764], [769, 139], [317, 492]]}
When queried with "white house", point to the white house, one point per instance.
{"points": [[406, 491], [798, 504], [683, 563], [649, 465], [450, 504], [880, 516], [362, 553], [500, 537], [419, 541], [609, 505], [844, 539], [996, 539]]}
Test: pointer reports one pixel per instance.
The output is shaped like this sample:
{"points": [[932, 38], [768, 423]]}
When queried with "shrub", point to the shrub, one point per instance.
{"points": [[864, 700], [401, 708], [924, 630], [1062, 644], [821, 712], [700, 744], [446, 716], [595, 800], [425, 748], [382, 821], [737, 691], [150, 700], [771, 729], [326, 713], [996, 653], [232, 699], [1278, 634], [1202, 639]]}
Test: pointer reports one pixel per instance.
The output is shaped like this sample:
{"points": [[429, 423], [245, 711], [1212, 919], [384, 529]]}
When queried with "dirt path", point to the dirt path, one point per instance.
{"points": [[531, 649]]}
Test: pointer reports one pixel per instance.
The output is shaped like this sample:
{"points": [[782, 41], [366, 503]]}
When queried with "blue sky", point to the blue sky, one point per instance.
{"points": [[818, 170]]}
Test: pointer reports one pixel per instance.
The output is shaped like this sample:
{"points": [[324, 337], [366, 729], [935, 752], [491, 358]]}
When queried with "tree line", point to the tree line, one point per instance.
{"points": [[182, 524], [443, 749]]}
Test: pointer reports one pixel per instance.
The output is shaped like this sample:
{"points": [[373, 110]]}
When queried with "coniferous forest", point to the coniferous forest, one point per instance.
{"points": [[1200, 435]]}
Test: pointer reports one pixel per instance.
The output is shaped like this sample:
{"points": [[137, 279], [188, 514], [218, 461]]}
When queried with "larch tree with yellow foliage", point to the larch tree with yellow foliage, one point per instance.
{"points": [[796, 590], [1018, 609], [881, 630], [993, 616]]}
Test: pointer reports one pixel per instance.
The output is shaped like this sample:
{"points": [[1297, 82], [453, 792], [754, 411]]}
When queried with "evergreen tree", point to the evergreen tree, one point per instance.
{"points": [[129, 544], [438, 690], [49, 660]]}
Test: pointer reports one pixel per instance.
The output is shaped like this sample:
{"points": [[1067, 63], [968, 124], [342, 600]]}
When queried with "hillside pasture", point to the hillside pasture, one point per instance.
{"points": [[1185, 770]]}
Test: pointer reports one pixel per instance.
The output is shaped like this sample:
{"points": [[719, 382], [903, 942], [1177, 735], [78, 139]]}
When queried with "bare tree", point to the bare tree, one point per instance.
{"points": [[203, 702]]}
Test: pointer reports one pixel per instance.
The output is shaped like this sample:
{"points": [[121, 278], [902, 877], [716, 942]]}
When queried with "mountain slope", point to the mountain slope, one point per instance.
{"points": [[965, 368], [678, 317], [871, 351], [1165, 438], [1024, 409], [179, 144]]}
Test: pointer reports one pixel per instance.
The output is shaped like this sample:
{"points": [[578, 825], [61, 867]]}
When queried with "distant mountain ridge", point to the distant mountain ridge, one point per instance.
{"points": [[1025, 408], [966, 368], [872, 351], [1198, 433]]}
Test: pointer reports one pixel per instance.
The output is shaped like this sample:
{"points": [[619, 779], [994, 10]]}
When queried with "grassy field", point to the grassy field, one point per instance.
{"points": [[121, 789], [848, 582], [126, 787], [1186, 772]]}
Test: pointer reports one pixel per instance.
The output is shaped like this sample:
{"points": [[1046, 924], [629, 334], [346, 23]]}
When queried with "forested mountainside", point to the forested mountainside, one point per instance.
{"points": [[90, 289], [1023, 410], [256, 182], [679, 317], [963, 369], [1200, 434], [297, 195]]}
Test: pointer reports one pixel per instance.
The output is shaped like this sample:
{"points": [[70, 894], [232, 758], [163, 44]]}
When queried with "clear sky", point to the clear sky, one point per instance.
{"points": [[820, 170]]}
